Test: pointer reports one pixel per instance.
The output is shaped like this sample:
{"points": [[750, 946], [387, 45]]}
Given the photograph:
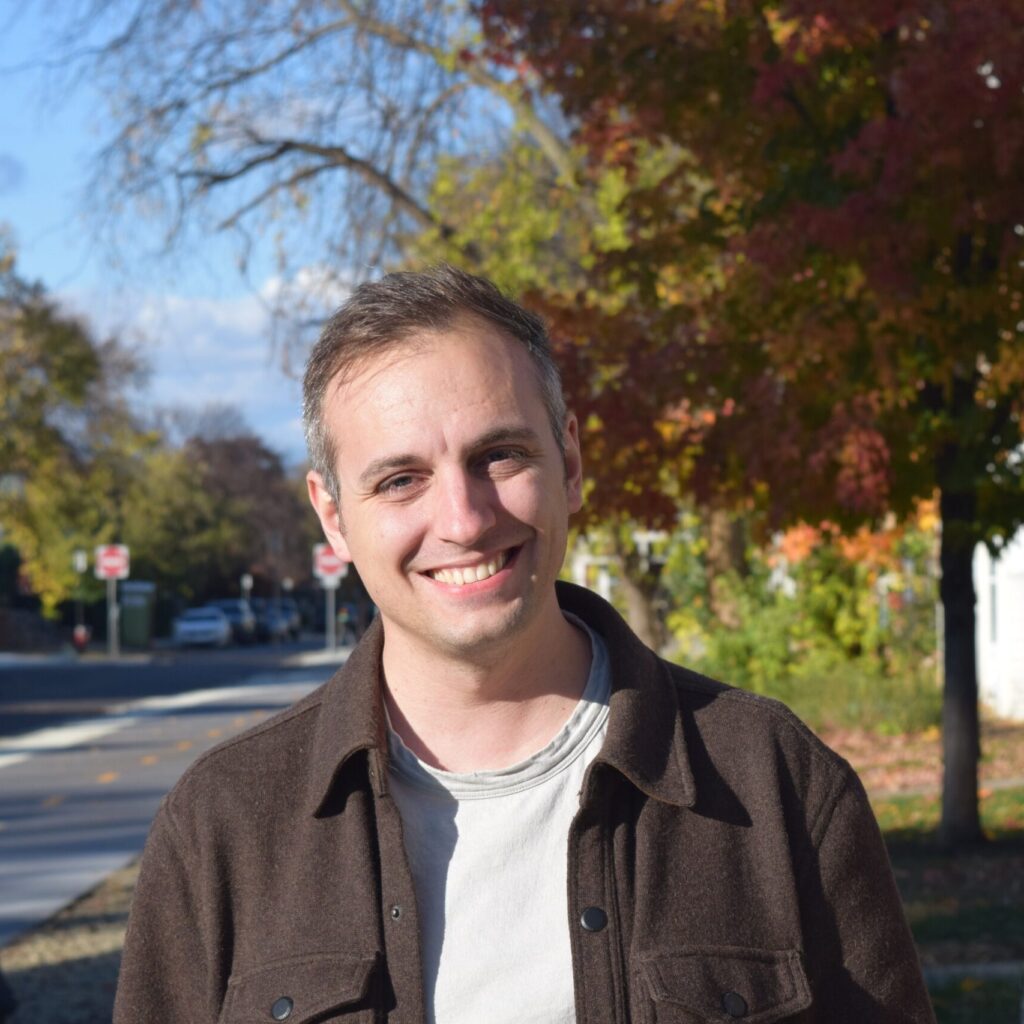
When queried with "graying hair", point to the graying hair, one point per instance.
{"points": [[384, 313]]}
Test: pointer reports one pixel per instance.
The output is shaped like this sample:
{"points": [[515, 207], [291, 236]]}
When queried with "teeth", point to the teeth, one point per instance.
{"points": [[471, 573]]}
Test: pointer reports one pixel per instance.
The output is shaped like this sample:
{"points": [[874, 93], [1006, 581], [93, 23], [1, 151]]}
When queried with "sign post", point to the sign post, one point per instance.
{"points": [[79, 635], [330, 570], [112, 564]]}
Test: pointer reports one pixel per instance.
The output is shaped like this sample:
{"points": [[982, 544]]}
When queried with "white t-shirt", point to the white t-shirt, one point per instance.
{"points": [[488, 853]]}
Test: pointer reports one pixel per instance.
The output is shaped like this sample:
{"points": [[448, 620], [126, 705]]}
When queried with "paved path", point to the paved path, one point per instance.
{"points": [[76, 801]]}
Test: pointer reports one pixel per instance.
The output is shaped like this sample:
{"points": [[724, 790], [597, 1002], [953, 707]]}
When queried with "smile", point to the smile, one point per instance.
{"points": [[459, 576]]}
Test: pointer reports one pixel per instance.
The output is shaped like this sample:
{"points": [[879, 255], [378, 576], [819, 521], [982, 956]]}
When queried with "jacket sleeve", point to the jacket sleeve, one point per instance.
{"points": [[860, 954], [168, 968]]}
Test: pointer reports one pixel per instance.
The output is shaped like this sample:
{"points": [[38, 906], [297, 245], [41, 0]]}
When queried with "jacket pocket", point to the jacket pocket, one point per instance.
{"points": [[721, 983], [302, 989]]}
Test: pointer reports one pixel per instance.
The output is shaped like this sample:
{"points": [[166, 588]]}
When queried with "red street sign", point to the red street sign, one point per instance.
{"points": [[326, 564], [112, 562]]}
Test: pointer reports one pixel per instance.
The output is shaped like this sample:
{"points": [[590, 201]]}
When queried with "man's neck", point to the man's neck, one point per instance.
{"points": [[473, 715]]}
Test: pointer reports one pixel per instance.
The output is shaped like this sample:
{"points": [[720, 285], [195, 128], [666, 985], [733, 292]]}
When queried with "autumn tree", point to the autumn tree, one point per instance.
{"points": [[852, 173], [69, 442], [277, 523], [309, 131]]}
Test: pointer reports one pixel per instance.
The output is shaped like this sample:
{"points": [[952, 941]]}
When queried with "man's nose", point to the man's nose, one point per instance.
{"points": [[465, 507]]}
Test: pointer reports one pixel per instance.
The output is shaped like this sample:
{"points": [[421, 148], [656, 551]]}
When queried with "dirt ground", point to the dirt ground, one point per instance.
{"points": [[891, 765]]}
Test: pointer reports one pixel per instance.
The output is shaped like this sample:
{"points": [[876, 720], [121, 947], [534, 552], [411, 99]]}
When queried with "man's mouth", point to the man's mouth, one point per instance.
{"points": [[460, 575]]}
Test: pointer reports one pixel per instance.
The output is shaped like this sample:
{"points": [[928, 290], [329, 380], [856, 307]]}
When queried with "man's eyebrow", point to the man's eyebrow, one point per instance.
{"points": [[383, 465], [506, 435], [499, 435]]}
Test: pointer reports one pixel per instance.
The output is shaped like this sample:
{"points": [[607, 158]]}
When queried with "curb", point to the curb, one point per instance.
{"points": [[1008, 970], [309, 659]]}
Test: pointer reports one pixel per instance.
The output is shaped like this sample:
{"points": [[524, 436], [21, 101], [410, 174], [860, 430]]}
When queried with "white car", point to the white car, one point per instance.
{"points": [[202, 626]]}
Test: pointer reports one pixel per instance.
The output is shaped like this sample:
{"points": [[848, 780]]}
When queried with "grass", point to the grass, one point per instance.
{"points": [[971, 1001], [915, 818], [964, 908], [849, 697]]}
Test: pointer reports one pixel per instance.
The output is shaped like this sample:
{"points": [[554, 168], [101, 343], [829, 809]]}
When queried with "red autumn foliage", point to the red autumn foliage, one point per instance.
{"points": [[852, 200]]}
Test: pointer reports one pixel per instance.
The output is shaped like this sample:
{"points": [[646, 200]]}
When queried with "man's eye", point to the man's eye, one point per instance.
{"points": [[394, 484], [503, 455]]}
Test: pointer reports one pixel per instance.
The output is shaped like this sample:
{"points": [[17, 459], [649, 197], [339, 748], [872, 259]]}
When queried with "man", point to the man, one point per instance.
{"points": [[503, 807]]}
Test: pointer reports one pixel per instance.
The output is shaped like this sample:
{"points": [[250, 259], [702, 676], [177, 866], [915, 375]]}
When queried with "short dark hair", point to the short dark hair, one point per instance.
{"points": [[383, 313]]}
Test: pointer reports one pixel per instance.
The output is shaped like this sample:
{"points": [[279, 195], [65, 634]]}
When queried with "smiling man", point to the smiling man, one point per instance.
{"points": [[503, 808]]}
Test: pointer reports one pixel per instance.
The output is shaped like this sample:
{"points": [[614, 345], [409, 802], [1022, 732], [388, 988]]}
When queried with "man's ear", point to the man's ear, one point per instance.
{"points": [[573, 464], [328, 513]]}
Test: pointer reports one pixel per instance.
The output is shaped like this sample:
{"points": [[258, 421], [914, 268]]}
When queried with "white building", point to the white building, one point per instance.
{"points": [[999, 586]]}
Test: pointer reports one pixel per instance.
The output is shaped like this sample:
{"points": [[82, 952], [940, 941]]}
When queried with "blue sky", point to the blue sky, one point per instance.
{"points": [[204, 334]]}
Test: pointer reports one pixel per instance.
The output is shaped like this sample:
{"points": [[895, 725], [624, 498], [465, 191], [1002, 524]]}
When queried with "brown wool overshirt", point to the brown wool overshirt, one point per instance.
{"points": [[725, 862]]}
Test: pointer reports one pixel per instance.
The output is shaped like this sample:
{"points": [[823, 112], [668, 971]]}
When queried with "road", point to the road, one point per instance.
{"points": [[88, 749]]}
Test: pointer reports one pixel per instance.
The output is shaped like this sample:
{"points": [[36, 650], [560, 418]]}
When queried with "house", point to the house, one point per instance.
{"points": [[999, 585]]}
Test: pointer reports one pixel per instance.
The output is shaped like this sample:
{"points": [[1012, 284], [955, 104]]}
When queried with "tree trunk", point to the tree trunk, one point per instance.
{"points": [[638, 578], [961, 748], [726, 553], [640, 613]]}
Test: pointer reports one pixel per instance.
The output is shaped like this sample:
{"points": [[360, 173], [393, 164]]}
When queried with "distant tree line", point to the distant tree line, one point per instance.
{"points": [[197, 497]]}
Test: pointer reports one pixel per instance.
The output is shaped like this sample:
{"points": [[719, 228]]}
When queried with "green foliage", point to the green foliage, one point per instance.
{"points": [[48, 363], [68, 444], [73, 501], [525, 227], [183, 535], [79, 471], [836, 638]]}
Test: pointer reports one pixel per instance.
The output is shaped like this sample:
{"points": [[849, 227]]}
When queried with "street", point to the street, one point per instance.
{"points": [[88, 749]]}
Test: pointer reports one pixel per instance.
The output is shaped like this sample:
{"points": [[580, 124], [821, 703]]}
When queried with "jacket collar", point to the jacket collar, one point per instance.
{"points": [[351, 718], [645, 740]]}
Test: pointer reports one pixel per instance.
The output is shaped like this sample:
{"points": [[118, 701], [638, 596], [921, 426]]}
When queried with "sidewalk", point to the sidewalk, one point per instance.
{"points": [[65, 971], [68, 656], [11, 659], [98, 655]]}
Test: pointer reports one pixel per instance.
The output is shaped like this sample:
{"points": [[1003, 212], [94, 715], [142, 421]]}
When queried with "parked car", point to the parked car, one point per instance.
{"points": [[206, 626], [291, 610], [272, 622], [239, 614]]}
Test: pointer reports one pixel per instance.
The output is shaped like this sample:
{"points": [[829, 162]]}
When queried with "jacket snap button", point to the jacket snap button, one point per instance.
{"points": [[734, 1004], [593, 919], [282, 1009]]}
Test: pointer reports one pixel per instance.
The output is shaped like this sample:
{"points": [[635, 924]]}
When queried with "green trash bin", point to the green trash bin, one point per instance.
{"points": [[138, 599]]}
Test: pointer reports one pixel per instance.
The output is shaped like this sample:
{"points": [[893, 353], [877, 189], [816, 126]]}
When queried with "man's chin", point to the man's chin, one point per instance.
{"points": [[476, 635]]}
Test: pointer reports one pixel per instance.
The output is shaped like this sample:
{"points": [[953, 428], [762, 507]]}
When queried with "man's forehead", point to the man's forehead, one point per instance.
{"points": [[364, 373], [424, 379]]}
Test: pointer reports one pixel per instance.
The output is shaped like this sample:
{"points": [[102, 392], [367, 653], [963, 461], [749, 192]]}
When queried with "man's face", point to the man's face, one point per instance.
{"points": [[454, 495]]}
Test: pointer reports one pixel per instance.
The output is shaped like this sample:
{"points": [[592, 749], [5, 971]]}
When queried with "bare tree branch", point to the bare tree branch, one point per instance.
{"points": [[550, 144]]}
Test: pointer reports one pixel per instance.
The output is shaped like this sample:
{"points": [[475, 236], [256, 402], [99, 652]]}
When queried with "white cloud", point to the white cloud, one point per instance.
{"points": [[208, 350], [316, 289]]}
